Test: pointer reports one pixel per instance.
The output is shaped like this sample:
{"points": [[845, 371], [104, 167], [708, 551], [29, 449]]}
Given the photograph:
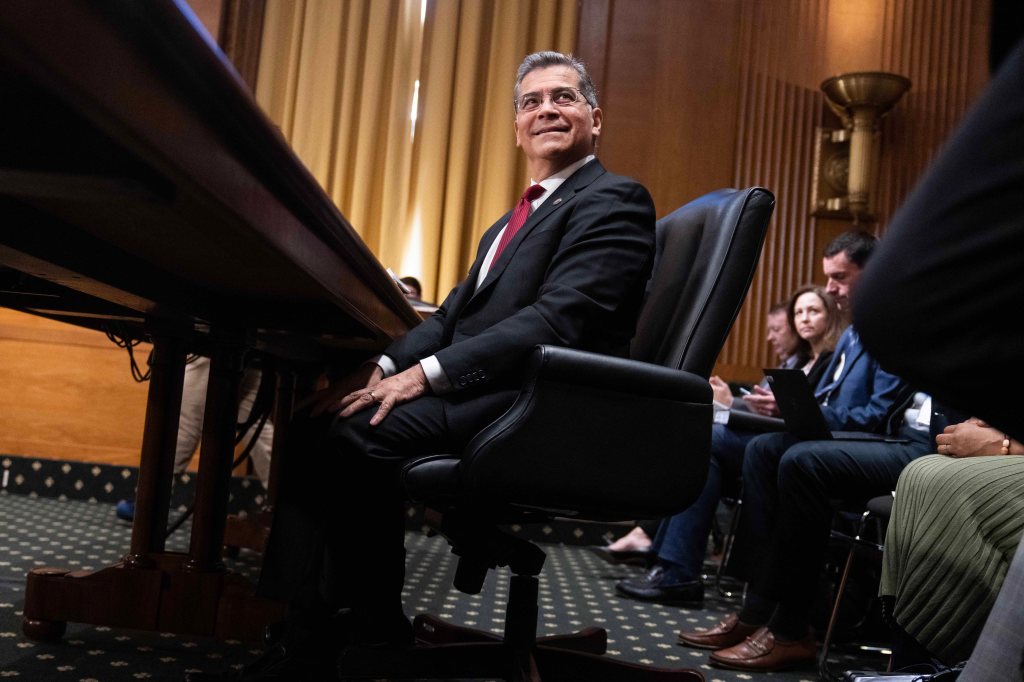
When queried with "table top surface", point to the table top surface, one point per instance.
{"points": [[139, 180]]}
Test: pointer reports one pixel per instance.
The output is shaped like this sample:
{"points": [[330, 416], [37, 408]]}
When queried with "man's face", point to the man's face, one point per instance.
{"points": [[842, 278], [780, 336], [553, 136]]}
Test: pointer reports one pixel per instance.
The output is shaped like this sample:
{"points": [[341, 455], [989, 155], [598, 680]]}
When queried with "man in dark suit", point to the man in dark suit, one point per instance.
{"points": [[788, 485], [572, 275]]}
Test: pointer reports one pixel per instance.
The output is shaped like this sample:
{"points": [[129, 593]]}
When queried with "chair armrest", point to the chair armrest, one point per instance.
{"points": [[751, 421], [591, 370], [596, 437]]}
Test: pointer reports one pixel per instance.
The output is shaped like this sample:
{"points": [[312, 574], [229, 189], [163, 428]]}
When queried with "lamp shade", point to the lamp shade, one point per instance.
{"points": [[864, 89], [861, 99]]}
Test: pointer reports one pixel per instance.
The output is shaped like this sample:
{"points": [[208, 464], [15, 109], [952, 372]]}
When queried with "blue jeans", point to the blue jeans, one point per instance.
{"points": [[683, 538]]}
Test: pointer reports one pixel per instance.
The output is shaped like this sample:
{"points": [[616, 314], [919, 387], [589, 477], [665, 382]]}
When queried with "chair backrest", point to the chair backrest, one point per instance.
{"points": [[706, 254], [639, 451]]}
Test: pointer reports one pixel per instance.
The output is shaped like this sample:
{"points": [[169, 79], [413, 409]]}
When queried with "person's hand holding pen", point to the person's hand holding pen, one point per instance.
{"points": [[762, 401]]}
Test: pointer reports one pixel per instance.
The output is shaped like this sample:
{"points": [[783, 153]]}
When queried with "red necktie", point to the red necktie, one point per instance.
{"points": [[519, 216]]}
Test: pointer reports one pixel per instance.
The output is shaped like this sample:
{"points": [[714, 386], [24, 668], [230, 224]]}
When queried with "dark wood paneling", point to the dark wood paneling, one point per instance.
{"points": [[661, 67], [701, 94], [241, 29]]}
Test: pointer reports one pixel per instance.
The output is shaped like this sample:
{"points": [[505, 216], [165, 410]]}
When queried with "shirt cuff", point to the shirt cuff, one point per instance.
{"points": [[436, 377], [386, 364]]}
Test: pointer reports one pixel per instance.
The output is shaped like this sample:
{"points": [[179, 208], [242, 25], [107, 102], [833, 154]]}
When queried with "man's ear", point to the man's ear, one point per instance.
{"points": [[515, 127], [598, 117]]}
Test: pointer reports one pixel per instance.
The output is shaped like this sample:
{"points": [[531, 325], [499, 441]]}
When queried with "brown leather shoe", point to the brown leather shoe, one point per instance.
{"points": [[730, 632], [761, 652]]}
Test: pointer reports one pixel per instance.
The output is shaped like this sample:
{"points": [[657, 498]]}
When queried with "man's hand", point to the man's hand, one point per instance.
{"points": [[720, 390], [972, 438], [762, 401], [395, 390], [329, 399]]}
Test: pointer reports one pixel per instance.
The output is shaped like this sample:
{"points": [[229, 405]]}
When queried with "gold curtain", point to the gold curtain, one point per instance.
{"points": [[339, 77]]}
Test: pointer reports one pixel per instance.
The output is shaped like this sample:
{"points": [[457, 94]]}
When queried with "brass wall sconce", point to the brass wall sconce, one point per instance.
{"points": [[846, 159]]}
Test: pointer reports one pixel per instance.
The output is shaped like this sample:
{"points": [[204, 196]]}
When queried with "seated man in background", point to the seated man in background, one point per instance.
{"points": [[681, 540], [788, 486], [567, 267], [413, 289], [786, 344]]}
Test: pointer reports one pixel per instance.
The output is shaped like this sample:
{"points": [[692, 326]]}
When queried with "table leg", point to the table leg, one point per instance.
{"points": [[216, 453], [156, 464]]}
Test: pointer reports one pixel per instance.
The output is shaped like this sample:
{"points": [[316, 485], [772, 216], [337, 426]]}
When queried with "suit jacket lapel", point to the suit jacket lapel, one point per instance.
{"points": [[561, 197], [487, 239], [849, 349], [853, 350]]}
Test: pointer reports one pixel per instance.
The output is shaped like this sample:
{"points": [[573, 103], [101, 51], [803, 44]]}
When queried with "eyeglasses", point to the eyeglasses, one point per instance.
{"points": [[563, 97]]}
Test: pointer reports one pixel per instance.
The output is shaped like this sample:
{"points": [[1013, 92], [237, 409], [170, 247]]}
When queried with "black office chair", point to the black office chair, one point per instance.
{"points": [[869, 536], [590, 437], [726, 586]]}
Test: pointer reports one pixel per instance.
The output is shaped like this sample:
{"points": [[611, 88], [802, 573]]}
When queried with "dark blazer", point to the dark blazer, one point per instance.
{"points": [[864, 397], [573, 275], [817, 370], [936, 301]]}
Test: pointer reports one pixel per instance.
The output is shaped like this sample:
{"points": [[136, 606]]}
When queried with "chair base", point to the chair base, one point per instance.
{"points": [[856, 542], [446, 651], [431, 630], [729, 587], [450, 651]]}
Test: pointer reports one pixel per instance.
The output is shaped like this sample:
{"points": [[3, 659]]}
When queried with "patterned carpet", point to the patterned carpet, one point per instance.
{"points": [[577, 589]]}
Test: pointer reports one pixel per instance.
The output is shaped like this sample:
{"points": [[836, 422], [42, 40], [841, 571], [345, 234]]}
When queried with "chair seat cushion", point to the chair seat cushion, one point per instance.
{"points": [[433, 479]]}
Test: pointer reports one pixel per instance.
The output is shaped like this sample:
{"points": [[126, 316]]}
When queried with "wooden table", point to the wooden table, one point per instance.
{"points": [[143, 192]]}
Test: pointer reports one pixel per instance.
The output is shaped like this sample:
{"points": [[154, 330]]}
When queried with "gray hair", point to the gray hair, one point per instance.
{"points": [[542, 60]]}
